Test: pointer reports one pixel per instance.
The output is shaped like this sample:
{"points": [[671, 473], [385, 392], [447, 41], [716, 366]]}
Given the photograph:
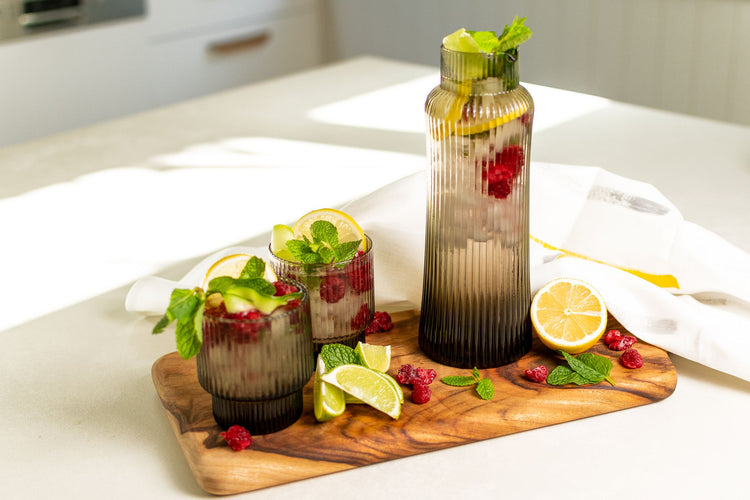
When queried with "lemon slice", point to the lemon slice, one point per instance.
{"points": [[369, 386], [328, 400], [568, 315], [232, 266], [347, 228], [376, 357]]}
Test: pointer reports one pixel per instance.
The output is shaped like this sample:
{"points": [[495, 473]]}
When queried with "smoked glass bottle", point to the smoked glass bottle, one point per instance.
{"points": [[476, 289]]}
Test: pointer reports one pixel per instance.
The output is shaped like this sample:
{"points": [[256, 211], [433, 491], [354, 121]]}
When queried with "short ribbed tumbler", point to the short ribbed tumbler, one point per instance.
{"points": [[476, 289], [255, 368]]}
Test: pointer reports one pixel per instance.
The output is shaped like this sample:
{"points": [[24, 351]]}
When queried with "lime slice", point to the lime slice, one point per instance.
{"points": [[279, 236], [461, 41], [367, 385], [328, 400], [232, 266], [376, 357], [347, 227]]}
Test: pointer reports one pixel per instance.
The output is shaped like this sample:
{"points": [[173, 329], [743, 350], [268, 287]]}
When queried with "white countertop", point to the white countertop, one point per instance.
{"points": [[84, 214]]}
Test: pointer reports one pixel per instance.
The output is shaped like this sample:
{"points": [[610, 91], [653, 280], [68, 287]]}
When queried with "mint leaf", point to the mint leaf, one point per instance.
{"points": [[486, 40], [347, 250], [485, 389], [475, 373], [334, 355], [326, 254], [324, 231], [301, 251], [185, 306], [190, 334], [513, 35], [599, 363], [458, 380], [255, 268], [592, 370], [563, 375]]}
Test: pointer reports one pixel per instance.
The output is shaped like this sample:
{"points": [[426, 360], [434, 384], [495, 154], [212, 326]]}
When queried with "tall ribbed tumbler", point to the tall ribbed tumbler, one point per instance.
{"points": [[476, 290]]}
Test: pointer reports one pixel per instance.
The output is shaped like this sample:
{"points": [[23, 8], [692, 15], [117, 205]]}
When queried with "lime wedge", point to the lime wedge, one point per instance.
{"points": [[369, 386], [280, 234], [376, 357], [328, 400], [461, 41]]}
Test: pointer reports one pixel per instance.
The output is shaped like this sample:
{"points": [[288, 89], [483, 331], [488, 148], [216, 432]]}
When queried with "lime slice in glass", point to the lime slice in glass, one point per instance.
{"points": [[369, 386], [461, 41], [280, 234]]}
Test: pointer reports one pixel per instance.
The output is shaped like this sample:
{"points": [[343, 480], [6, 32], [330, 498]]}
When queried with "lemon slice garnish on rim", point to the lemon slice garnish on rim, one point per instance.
{"points": [[347, 227], [232, 266]]}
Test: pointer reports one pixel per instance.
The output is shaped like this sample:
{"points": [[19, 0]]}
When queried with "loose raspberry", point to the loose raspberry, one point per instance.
{"points": [[284, 288], [404, 374], [359, 274], [381, 322], [612, 336], [237, 437], [631, 359], [623, 343], [332, 289], [421, 393], [538, 374], [362, 319], [412, 375]]}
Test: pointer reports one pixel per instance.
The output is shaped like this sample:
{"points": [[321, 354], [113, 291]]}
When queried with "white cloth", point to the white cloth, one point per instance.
{"points": [[589, 224]]}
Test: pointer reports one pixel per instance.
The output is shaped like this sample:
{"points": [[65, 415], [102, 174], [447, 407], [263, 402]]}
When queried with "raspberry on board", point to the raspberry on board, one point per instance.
{"points": [[405, 374], [623, 343], [237, 437], [612, 336], [631, 359], [538, 374], [421, 393]]}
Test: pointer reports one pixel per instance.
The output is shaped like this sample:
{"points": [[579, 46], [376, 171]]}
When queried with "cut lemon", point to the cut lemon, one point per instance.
{"points": [[348, 229], [568, 315], [376, 357], [369, 386], [328, 400], [232, 266]]}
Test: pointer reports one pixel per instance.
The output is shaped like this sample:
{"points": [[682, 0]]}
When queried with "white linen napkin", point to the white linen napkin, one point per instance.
{"points": [[668, 281]]}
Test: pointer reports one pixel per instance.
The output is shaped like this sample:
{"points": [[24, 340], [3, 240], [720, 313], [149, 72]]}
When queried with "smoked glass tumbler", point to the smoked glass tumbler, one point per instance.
{"points": [[342, 296], [255, 368], [476, 289]]}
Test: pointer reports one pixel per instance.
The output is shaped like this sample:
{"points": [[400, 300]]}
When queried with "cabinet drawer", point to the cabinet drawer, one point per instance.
{"points": [[170, 18], [208, 63]]}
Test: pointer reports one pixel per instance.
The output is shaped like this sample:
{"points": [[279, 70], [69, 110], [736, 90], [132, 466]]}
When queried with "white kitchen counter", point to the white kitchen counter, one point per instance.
{"points": [[84, 214]]}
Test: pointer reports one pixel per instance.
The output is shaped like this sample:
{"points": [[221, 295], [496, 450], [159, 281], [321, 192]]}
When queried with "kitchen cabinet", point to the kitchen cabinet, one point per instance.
{"points": [[180, 49]]}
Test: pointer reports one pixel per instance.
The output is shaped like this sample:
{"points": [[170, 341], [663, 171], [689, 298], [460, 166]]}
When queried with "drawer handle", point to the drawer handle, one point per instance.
{"points": [[238, 44]]}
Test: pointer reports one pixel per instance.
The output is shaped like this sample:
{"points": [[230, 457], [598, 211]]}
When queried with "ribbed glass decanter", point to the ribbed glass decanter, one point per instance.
{"points": [[476, 290]]}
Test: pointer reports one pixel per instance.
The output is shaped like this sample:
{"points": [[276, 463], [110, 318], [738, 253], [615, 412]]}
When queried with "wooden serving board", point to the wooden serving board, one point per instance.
{"points": [[363, 436]]}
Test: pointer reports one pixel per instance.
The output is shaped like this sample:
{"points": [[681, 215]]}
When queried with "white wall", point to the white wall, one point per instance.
{"points": [[690, 56]]}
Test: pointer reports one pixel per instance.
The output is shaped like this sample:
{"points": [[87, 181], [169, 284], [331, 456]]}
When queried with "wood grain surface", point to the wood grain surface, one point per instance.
{"points": [[363, 436]]}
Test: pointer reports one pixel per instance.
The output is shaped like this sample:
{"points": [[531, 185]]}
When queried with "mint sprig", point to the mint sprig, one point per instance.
{"points": [[512, 36], [586, 368], [186, 306], [325, 247], [484, 387]]}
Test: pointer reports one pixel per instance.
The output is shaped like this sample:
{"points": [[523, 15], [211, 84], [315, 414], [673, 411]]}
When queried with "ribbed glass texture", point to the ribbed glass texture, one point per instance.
{"points": [[255, 369], [476, 290], [342, 296]]}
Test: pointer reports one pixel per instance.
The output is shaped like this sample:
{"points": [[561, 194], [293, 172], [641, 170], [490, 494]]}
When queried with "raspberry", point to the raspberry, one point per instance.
{"points": [[612, 336], [284, 288], [359, 274], [538, 374], [411, 375], [381, 322], [237, 437], [500, 172], [631, 359], [623, 343], [362, 319], [332, 289], [245, 331], [421, 393]]}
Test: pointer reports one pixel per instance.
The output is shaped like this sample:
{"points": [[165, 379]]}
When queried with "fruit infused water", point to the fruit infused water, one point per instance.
{"points": [[328, 252], [253, 342], [476, 288]]}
